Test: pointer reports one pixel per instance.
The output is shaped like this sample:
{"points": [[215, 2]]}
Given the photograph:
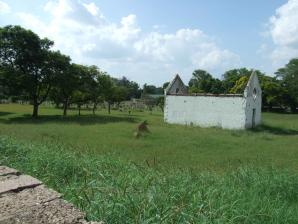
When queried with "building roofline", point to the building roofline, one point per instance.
{"points": [[172, 83], [208, 94]]}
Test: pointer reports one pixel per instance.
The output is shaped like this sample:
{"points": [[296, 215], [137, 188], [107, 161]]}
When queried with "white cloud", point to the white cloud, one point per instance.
{"points": [[186, 47], [4, 8], [82, 31], [283, 29], [92, 8]]}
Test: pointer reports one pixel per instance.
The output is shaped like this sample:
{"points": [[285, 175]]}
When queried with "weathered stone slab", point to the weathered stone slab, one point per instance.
{"points": [[13, 202], [23, 199], [4, 170], [18, 183], [8, 177], [52, 212]]}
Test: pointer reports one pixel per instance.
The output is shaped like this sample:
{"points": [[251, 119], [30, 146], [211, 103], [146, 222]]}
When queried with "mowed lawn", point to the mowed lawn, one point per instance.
{"points": [[275, 143]]}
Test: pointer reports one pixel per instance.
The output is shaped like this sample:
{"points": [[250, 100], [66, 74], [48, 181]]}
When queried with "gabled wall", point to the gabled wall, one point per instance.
{"points": [[175, 85], [253, 95]]}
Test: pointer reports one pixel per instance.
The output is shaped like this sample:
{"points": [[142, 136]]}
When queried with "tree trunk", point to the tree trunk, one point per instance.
{"points": [[57, 105], [293, 108], [94, 108], [79, 106], [109, 107], [35, 110], [65, 107]]}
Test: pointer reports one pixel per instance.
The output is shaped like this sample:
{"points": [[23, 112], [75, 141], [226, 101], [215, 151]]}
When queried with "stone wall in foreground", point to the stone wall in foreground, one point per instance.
{"points": [[25, 200]]}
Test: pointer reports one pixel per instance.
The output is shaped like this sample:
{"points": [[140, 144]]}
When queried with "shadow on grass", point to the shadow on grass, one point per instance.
{"points": [[275, 130], [82, 120], [5, 113]]}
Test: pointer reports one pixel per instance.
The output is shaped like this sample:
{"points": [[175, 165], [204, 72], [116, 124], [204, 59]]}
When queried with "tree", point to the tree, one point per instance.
{"points": [[239, 85], [289, 79], [86, 82], [106, 85], [94, 88], [161, 102], [272, 92], [79, 99], [165, 85], [133, 89], [203, 82], [119, 93], [5, 83], [65, 85], [217, 87], [111, 92], [151, 89], [29, 63], [232, 76]]}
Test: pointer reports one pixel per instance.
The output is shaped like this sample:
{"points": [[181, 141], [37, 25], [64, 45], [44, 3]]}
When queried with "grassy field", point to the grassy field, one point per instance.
{"points": [[175, 174], [275, 143], [115, 191]]}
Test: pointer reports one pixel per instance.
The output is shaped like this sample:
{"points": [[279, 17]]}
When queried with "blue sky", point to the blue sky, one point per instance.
{"points": [[150, 41]]}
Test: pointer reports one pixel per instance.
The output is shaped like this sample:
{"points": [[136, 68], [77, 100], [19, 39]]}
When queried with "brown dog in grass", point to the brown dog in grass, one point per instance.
{"points": [[141, 129]]}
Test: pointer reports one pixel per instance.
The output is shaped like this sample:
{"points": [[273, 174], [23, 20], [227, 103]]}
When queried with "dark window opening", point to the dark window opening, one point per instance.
{"points": [[254, 93]]}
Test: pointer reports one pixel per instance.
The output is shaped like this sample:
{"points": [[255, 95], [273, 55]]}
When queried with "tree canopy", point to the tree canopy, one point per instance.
{"points": [[288, 77], [29, 66]]}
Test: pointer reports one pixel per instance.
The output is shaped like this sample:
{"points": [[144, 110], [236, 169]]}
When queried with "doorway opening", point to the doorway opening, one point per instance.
{"points": [[253, 118]]}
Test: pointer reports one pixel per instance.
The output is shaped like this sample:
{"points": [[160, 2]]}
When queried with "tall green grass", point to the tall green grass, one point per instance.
{"points": [[116, 191]]}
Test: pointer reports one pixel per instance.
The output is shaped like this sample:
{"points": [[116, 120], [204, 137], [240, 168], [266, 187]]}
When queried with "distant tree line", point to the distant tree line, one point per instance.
{"points": [[31, 71]]}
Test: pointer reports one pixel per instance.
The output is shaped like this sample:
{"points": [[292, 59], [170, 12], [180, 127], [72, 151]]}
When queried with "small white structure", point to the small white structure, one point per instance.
{"points": [[229, 111]]}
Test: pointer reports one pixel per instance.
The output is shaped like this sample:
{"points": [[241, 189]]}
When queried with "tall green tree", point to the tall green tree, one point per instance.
{"points": [[106, 86], [230, 78], [165, 85], [65, 85], [289, 78], [272, 92], [28, 63], [240, 85], [152, 89], [161, 102], [120, 93], [98, 86], [86, 82], [203, 82], [133, 89]]}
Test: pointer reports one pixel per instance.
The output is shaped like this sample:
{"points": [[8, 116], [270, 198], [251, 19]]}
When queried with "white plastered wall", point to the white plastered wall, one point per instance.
{"points": [[253, 95], [206, 111]]}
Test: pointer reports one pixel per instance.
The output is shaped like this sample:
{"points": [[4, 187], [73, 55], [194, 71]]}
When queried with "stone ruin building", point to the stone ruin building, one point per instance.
{"points": [[228, 111]]}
